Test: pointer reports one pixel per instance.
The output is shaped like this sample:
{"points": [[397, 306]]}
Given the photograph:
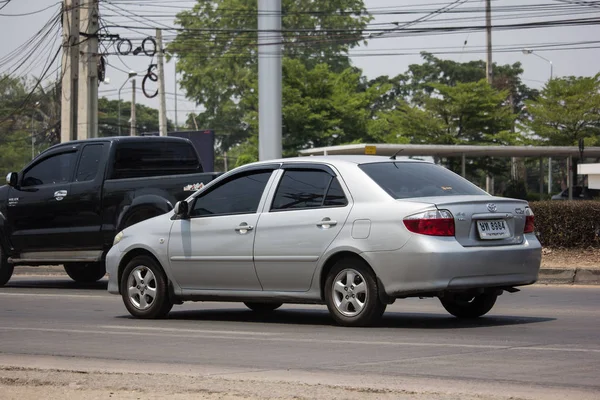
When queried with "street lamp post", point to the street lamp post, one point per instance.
{"points": [[129, 76], [529, 51]]}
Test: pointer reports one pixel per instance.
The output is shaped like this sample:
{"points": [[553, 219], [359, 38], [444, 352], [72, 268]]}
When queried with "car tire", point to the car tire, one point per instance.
{"points": [[144, 289], [85, 272], [468, 305], [6, 269], [352, 295], [262, 307]]}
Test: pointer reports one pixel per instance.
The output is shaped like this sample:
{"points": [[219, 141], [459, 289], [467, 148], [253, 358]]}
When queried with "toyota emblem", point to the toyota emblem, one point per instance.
{"points": [[492, 207]]}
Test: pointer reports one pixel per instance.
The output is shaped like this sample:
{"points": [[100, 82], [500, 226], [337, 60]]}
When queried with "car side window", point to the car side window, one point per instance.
{"points": [[88, 164], [301, 189], [55, 169], [238, 195]]}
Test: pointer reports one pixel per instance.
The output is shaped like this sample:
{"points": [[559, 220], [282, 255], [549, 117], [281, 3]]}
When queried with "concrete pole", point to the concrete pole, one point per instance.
{"points": [[541, 177], [570, 176], [87, 112], [269, 79], [464, 166], [175, 69], [488, 31], [70, 70], [549, 175], [162, 107], [132, 131]]}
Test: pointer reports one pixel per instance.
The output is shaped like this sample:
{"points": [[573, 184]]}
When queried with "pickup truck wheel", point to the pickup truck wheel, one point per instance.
{"points": [[85, 272], [6, 270], [144, 289], [468, 305], [262, 307]]}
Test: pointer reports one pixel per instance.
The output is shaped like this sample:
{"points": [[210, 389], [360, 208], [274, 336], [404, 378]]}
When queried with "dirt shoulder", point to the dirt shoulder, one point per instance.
{"points": [[571, 258]]}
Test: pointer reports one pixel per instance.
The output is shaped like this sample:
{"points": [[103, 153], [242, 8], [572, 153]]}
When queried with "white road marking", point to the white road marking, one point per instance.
{"points": [[256, 336]]}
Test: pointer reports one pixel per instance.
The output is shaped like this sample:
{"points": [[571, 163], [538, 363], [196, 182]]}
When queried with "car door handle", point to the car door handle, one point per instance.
{"points": [[60, 194], [326, 223], [244, 228]]}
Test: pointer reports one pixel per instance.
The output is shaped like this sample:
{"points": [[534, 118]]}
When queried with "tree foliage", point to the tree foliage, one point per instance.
{"points": [[217, 52], [109, 121], [568, 109]]}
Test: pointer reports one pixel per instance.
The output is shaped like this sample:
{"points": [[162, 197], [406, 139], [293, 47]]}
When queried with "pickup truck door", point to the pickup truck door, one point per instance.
{"points": [[39, 218], [213, 248]]}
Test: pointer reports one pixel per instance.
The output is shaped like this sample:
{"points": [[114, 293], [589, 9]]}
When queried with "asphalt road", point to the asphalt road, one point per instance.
{"points": [[543, 342]]}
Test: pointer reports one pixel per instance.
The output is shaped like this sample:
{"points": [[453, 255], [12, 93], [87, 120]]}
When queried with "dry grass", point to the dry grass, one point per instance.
{"points": [[569, 258]]}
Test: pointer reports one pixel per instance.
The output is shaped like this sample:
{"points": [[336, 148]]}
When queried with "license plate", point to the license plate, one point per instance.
{"points": [[493, 229]]}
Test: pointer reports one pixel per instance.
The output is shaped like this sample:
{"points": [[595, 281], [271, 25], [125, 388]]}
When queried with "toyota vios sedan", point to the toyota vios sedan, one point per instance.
{"points": [[352, 232]]}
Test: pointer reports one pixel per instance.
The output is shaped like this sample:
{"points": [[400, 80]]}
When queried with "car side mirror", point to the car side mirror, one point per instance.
{"points": [[181, 209], [12, 179]]}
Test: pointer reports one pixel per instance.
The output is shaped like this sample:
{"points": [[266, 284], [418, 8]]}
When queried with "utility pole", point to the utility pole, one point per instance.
{"points": [[175, 73], [70, 70], [489, 180], [162, 109], [87, 126], [488, 24], [269, 79], [133, 120]]}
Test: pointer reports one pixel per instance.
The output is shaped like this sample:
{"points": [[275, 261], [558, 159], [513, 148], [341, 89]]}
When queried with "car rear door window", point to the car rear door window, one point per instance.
{"points": [[239, 195], [403, 180], [301, 189], [88, 164]]}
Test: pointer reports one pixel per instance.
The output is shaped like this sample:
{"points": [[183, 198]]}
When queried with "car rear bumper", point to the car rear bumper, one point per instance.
{"points": [[429, 264]]}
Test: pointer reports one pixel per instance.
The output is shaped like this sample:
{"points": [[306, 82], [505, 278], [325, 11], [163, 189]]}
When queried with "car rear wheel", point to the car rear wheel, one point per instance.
{"points": [[351, 294], [6, 269], [465, 305], [144, 289], [85, 272], [263, 307]]}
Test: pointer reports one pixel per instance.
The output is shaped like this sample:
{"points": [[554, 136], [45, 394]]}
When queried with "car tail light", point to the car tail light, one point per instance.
{"points": [[433, 222], [529, 221]]}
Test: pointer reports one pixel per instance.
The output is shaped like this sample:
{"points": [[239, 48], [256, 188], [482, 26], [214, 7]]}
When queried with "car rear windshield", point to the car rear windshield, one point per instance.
{"points": [[134, 160], [403, 180]]}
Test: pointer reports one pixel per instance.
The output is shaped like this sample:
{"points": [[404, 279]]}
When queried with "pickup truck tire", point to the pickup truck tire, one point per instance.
{"points": [[85, 272], [144, 288], [468, 306], [6, 269]]}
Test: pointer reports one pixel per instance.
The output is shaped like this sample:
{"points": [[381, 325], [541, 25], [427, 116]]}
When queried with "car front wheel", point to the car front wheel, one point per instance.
{"points": [[6, 269], [464, 305], [144, 289], [351, 294]]}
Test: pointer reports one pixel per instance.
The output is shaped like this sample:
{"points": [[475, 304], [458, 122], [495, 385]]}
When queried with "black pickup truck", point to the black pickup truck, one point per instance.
{"points": [[66, 206]]}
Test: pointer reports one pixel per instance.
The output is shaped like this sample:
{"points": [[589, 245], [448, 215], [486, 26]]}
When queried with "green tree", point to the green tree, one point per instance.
{"points": [[321, 108], [568, 109], [108, 118], [217, 52]]}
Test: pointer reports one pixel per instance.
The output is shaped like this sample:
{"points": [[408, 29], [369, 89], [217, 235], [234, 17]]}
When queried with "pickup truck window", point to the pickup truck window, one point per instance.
{"points": [[134, 160], [239, 195], [55, 169], [88, 164]]}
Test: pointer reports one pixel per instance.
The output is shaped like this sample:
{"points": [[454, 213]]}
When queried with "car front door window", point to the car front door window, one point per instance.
{"points": [[53, 170], [239, 195]]}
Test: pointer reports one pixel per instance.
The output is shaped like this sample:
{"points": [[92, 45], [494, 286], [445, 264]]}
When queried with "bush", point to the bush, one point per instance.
{"points": [[567, 224], [516, 190]]}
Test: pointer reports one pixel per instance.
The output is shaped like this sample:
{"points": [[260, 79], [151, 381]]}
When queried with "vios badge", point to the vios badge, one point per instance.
{"points": [[492, 207]]}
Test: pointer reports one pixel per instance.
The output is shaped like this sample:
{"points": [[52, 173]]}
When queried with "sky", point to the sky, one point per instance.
{"points": [[387, 55]]}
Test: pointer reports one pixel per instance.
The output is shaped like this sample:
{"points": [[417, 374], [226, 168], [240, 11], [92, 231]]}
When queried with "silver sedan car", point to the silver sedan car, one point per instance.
{"points": [[352, 232]]}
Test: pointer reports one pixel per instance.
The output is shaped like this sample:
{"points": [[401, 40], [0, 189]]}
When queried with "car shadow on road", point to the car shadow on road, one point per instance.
{"points": [[58, 282], [322, 317]]}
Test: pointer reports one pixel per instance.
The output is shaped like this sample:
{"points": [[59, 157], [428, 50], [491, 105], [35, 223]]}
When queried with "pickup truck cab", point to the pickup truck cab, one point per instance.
{"points": [[65, 207]]}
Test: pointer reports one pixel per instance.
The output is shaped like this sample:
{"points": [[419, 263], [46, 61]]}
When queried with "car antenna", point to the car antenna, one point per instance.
{"points": [[395, 154]]}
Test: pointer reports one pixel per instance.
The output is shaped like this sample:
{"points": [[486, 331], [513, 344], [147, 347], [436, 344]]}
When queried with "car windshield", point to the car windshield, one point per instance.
{"points": [[403, 180]]}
